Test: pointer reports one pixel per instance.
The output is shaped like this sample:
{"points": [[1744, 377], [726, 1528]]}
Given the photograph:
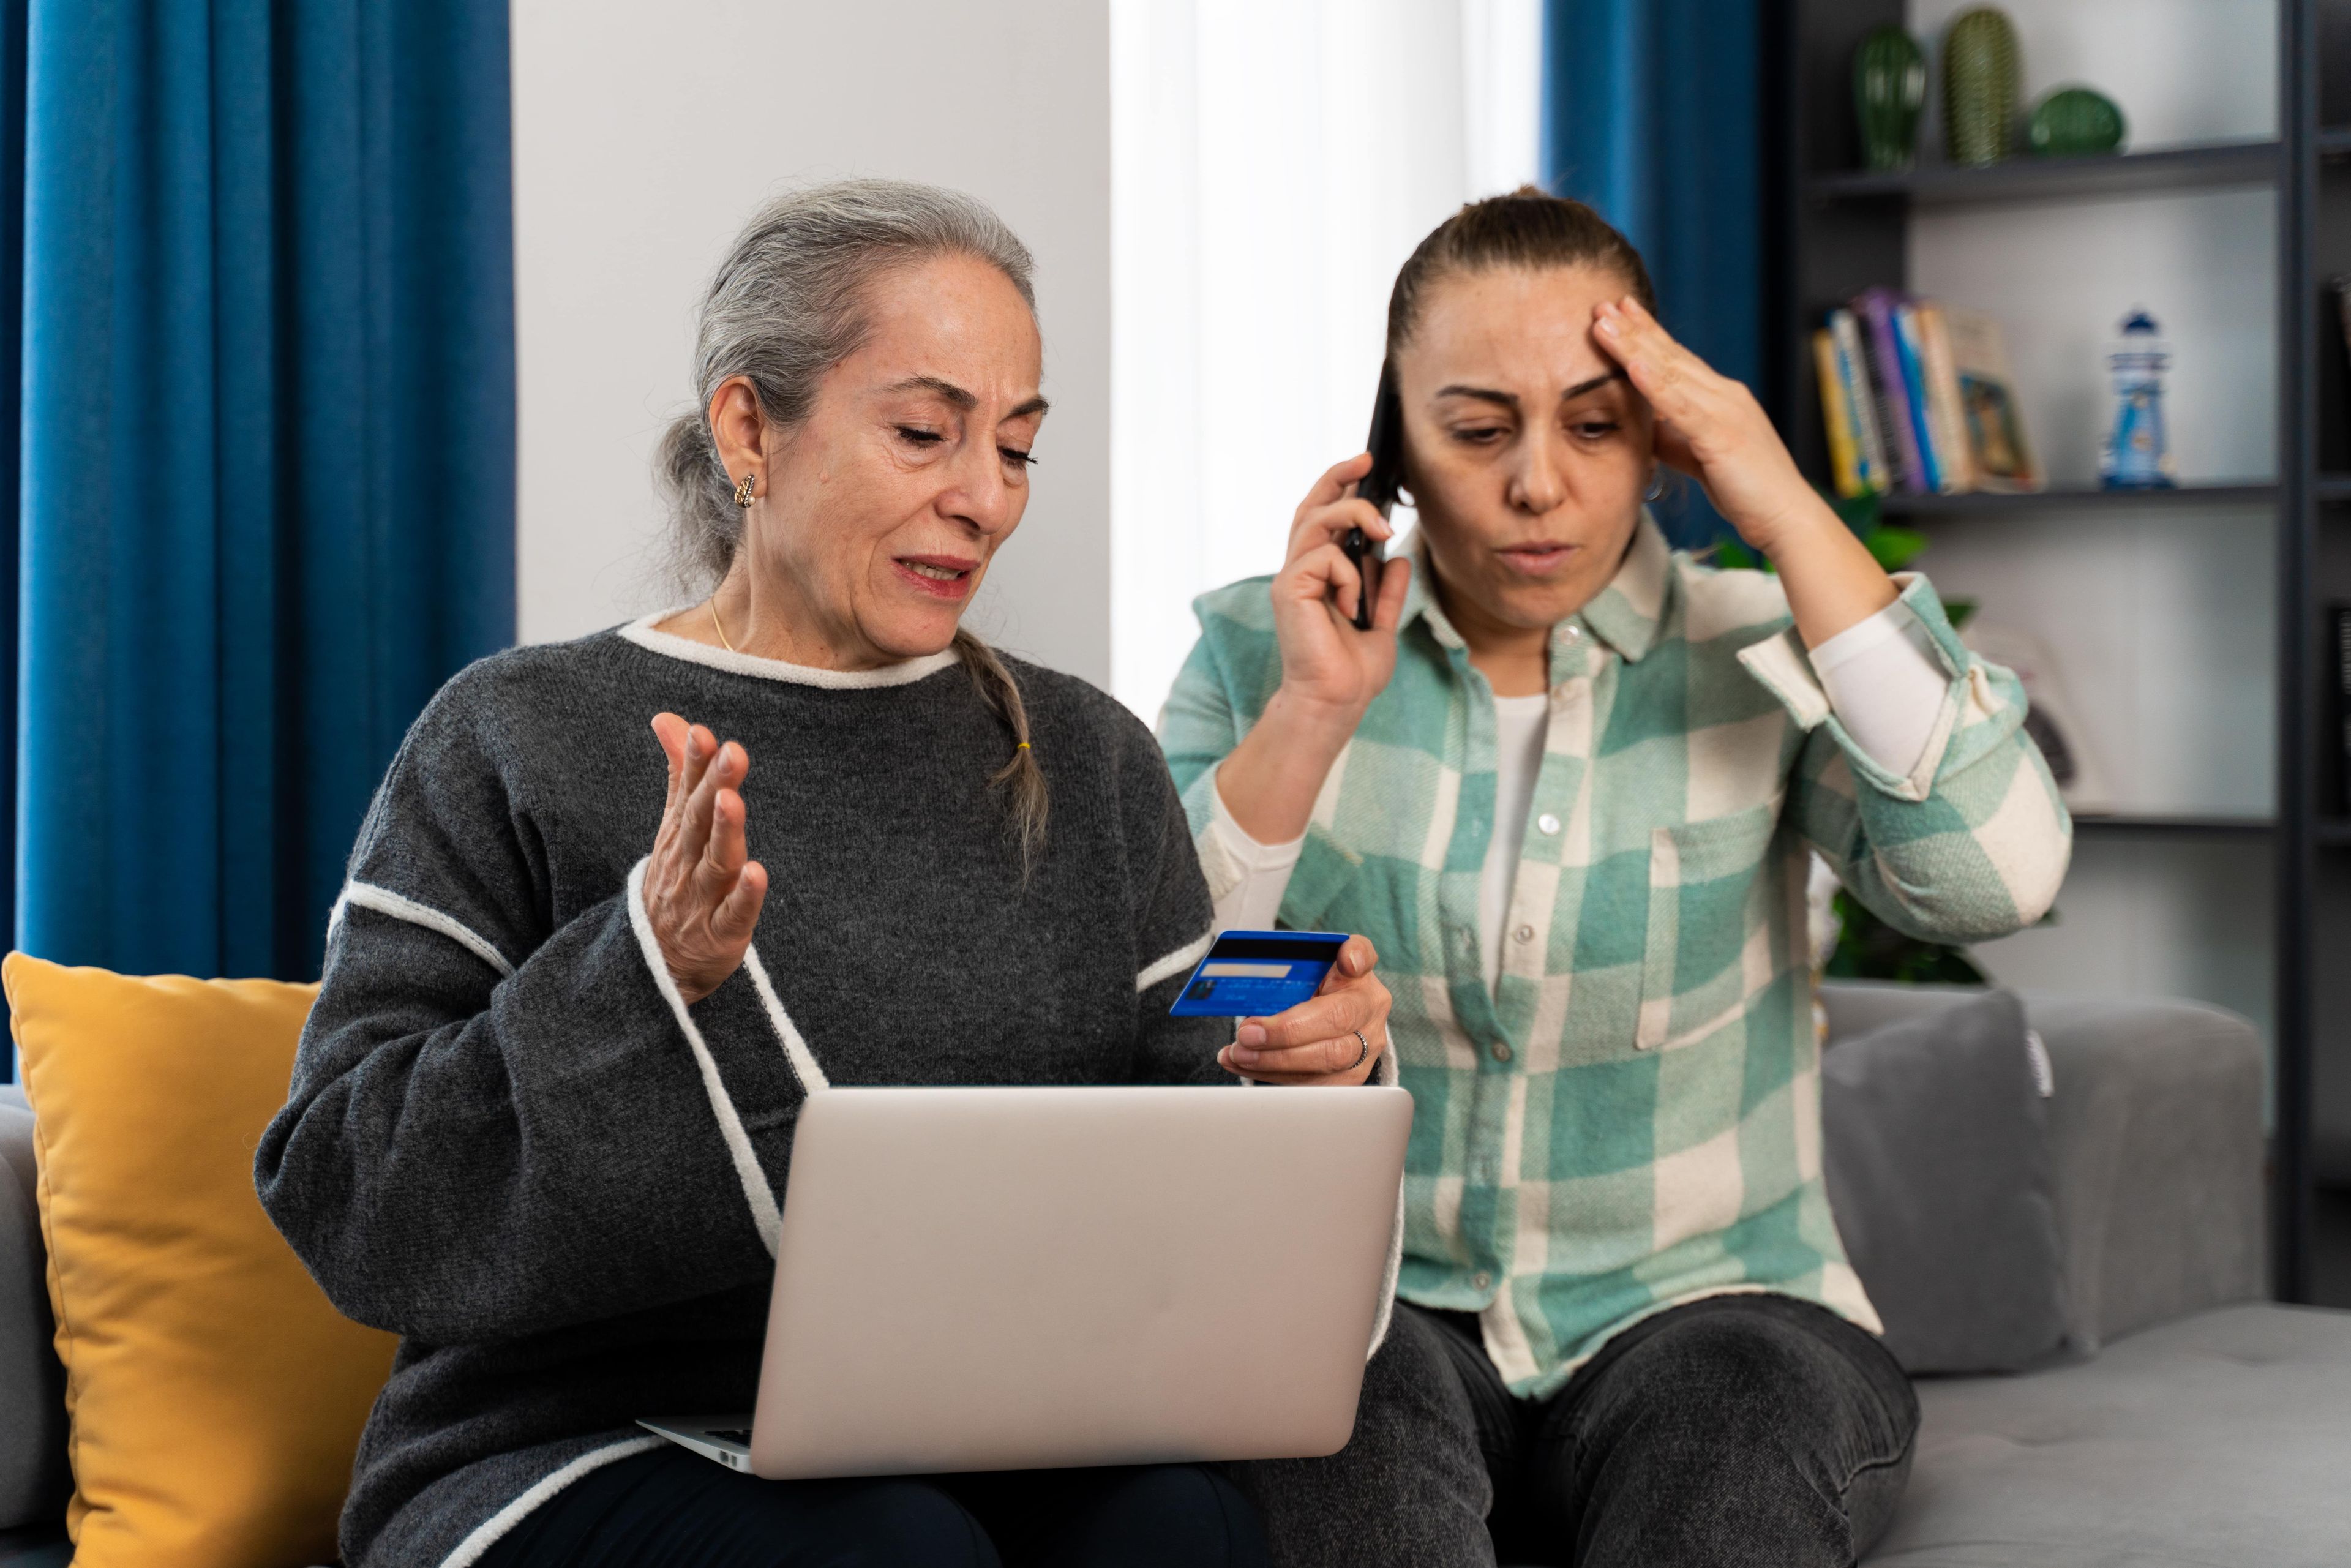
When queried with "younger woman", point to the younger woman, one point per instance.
{"points": [[1571, 783]]}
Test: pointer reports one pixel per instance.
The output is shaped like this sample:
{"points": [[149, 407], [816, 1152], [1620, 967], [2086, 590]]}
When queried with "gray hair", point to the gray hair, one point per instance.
{"points": [[787, 304]]}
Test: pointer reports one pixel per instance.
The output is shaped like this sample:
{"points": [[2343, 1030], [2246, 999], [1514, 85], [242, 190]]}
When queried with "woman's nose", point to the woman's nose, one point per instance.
{"points": [[983, 497], [1539, 483]]}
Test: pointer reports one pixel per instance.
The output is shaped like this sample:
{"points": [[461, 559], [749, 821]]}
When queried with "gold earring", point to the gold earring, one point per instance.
{"points": [[743, 492]]}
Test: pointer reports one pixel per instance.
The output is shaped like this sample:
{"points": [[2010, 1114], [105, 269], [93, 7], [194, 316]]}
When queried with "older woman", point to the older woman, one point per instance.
{"points": [[543, 1111], [1571, 782]]}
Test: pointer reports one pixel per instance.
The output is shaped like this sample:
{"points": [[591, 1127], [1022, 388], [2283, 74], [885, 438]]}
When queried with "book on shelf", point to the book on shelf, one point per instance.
{"points": [[1906, 354], [2049, 717], [1876, 308], [2001, 459], [1845, 467], [1857, 456], [1944, 416], [1852, 366], [1920, 395]]}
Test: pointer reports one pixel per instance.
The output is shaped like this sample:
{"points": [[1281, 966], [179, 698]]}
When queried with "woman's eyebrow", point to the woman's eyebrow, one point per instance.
{"points": [[1580, 388], [960, 398], [1510, 400], [1484, 394]]}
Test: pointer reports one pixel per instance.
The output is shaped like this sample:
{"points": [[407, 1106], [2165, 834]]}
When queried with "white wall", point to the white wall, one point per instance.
{"points": [[2161, 622], [645, 135]]}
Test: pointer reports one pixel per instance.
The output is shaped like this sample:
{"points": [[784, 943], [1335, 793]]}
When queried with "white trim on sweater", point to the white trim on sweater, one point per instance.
{"points": [[383, 901], [796, 1049], [765, 1213], [642, 633], [487, 1533], [1174, 963]]}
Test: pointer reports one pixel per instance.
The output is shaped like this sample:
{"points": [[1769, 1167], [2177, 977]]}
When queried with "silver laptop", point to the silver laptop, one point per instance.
{"points": [[1019, 1278]]}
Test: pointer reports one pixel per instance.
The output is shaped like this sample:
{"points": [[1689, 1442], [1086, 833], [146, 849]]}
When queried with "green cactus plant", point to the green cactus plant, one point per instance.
{"points": [[1889, 88], [1982, 76]]}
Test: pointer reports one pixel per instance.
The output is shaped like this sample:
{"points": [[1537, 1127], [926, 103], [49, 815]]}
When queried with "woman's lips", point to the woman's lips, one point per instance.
{"points": [[1537, 559], [944, 577]]}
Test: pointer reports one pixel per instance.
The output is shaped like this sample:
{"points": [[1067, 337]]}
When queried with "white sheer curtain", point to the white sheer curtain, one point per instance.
{"points": [[1272, 165]]}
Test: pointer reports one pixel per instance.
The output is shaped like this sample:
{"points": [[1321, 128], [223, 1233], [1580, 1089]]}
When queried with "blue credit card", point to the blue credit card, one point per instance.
{"points": [[1255, 974]]}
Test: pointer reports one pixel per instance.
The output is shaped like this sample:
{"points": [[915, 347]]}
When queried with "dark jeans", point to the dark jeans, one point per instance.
{"points": [[672, 1508], [1735, 1430]]}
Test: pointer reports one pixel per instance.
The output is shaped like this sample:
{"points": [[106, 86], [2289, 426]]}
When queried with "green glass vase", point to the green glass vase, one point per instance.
{"points": [[1889, 88], [2074, 122], [1982, 73]]}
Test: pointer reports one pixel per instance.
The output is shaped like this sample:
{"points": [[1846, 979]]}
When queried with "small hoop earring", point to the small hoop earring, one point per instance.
{"points": [[743, 492], [1656, 491]]}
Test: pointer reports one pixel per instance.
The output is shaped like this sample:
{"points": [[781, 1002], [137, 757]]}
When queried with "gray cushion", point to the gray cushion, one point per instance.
{"points": [[2156, 1135], [1935, 1146], [2220, 1438], [34, 1480], [2158, 1131]]}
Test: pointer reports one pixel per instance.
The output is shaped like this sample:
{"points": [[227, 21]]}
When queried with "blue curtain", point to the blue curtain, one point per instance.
{"points": [[1653, 113], [266, 499]]}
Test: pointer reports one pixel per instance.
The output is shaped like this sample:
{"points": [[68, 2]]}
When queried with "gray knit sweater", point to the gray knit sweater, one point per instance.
{"points": [[507, 1141]]}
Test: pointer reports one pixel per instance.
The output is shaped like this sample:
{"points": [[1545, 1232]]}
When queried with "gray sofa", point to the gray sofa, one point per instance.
{"points": [[2189, 1421]]}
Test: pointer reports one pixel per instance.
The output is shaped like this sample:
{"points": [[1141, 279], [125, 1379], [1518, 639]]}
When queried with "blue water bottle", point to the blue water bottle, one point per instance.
{"points": [[2138, 454]]}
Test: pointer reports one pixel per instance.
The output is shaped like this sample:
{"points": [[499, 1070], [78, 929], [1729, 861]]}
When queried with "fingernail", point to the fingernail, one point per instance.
{"points": [[1606, 327], [1244, 1055], [1252, 1034]]}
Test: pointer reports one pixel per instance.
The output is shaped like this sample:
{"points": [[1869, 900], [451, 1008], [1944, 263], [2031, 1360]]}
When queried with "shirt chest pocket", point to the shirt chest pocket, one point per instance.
{"points": [[1708, 946]]}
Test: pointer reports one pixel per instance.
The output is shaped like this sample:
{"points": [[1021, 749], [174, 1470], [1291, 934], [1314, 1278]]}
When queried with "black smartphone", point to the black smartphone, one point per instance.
{"points": [[1386, 444]]}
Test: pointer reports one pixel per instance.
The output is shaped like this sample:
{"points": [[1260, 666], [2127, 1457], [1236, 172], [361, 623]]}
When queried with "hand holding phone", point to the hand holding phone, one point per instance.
{"points": [[1336, 606]]}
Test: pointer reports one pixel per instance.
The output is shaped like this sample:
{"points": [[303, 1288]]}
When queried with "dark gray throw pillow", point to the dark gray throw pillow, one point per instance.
{"points": [[1935, 1146]]}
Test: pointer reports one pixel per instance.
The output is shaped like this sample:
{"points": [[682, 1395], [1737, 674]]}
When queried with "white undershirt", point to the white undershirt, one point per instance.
{"points": [[1519, 726], [1885, 686]]}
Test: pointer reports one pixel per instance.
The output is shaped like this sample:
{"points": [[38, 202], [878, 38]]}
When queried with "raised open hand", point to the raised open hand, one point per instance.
{"points": [[703, 892]]}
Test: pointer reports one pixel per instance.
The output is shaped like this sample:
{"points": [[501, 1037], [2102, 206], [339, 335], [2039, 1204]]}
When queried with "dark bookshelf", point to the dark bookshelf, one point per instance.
{"points": [[2027, 179], [1980, 503], [1837, 230]]}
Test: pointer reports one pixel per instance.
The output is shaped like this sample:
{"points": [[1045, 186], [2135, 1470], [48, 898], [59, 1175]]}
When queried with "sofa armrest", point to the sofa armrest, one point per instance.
{"points": [[34, 1480], [2156, 1145]]}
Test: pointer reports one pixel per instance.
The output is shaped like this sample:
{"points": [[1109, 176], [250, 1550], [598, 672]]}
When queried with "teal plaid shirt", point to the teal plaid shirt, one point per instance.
{"points": [[1631, 1119]]}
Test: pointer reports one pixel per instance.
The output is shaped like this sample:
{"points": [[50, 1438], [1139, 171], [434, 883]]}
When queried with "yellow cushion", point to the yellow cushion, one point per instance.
{"points": [[216, 1397]]}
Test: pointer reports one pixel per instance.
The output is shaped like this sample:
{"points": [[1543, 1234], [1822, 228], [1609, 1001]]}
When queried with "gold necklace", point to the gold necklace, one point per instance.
{"points": [[719, 626]]}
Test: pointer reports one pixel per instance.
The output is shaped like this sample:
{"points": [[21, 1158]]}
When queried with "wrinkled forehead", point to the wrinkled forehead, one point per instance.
{"points": [[951, 319], [1515, 316], [1529, 330]]}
